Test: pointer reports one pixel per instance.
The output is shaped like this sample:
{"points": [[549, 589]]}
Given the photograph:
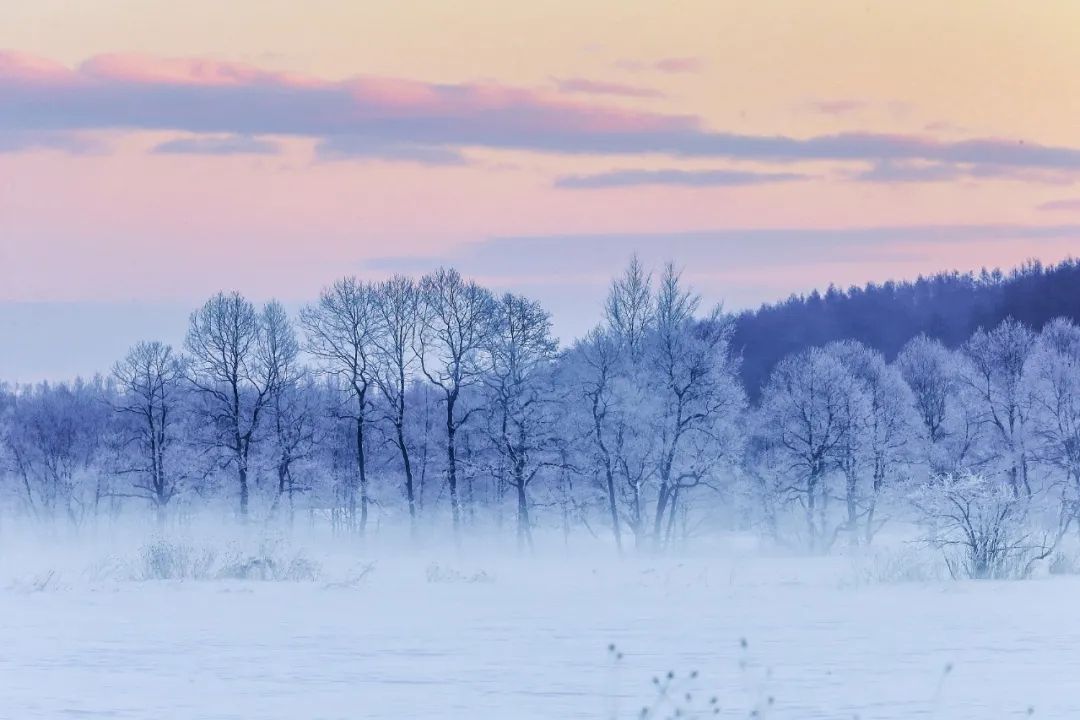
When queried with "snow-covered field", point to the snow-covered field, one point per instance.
{"points": [[494, 636]]}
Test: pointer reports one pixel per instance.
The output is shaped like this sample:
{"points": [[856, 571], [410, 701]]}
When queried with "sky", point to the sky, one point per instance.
{"points": [[153, 152]]}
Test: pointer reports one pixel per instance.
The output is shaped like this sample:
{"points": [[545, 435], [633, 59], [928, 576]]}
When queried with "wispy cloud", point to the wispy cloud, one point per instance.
{"points": [[64, 141], [1069, 205], [552, 255], [686, 178], [217, 145], [740, 266], [889, 171], [598, 87], [680, 65], [835, 107], [348, 147], [942, 126], [209, 97], [669, 65]]}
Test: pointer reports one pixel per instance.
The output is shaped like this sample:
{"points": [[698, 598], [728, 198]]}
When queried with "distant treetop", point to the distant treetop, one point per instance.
{"points": [[948, 306]]}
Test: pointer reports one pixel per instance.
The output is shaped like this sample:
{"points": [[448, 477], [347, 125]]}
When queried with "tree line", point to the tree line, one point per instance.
{"points": [[416, 405], [948, 306]]}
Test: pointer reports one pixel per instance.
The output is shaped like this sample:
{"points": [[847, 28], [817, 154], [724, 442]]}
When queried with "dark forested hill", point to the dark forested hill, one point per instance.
{"points": [[948, 306]]}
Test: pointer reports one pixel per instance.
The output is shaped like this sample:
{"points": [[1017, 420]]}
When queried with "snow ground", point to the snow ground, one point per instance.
{"points": [[529, 639]]}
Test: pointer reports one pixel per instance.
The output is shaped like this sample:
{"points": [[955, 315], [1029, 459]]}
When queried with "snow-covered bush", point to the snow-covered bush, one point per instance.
{"points": [[269, 564], [436, 573], [164, 560], [984, 528], [168, 560], [908, 563], [1064, 563]]}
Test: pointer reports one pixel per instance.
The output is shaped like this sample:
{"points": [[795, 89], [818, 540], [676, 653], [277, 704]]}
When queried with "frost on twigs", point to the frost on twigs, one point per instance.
{"points": [[984, 528], [165, 560], [354, 579], [909, 563], [436, 573], [44, 582], [679, 695]]}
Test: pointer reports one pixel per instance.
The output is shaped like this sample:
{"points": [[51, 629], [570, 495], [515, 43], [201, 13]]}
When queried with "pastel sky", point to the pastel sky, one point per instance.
{"points": [[154, 152]]}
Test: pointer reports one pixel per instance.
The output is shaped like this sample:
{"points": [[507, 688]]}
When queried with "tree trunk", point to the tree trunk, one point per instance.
{"points": [[524, 531], [361, 466], [242, 473], [410, 494], [852, 509], [451, 468], [672, 505], [662, 498]]}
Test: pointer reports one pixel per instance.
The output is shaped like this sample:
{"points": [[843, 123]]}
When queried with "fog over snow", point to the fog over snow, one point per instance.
{"points": [[540, 360]]}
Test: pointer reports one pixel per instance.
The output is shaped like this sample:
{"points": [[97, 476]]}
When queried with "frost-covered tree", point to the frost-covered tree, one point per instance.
{"points": [[522, 414], [150, 384], [55, 444], [947, 405], [1053, 374], [983, 527], [659, 401], [342, 328], [995, 378], [397, 306], [807, 418], [629, 313], [293, 406], [690, 370], [885, 434], [234, 372], [928, 368], [591, 366], [456, 320]]}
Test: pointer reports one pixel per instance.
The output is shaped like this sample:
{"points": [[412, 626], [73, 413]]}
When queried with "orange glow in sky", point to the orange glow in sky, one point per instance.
{"points": [[158, 151]]}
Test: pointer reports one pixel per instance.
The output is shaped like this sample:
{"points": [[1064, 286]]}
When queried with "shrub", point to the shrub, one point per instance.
{"points": [[438, 574], [899, 565], [165, 560], [982, 527]]}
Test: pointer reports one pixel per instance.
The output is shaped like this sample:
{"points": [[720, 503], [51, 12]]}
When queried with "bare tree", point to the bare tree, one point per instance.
{"points": [[231, 369], [398, 309], [693, 375], [150, 382], [521, 352], [884, 435], [928, 369], [996, 377], [1053, 373], [630, 306], [984, 528], [630, 315], [342, 328], [454, 333], [293, 401], [595, 361], [55, 441], [806, 415]]}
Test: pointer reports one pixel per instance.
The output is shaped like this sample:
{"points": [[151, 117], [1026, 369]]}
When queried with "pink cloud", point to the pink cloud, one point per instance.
{"points": [[671, 65], [1069, 205], [387, 117], [203, 95], [179, 71], [598, 87], [836, 107], [31, 68], [680, 65]]}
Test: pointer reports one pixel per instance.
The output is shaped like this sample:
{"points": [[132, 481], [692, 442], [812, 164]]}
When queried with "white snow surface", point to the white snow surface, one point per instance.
{"points": [[486, 634]]}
